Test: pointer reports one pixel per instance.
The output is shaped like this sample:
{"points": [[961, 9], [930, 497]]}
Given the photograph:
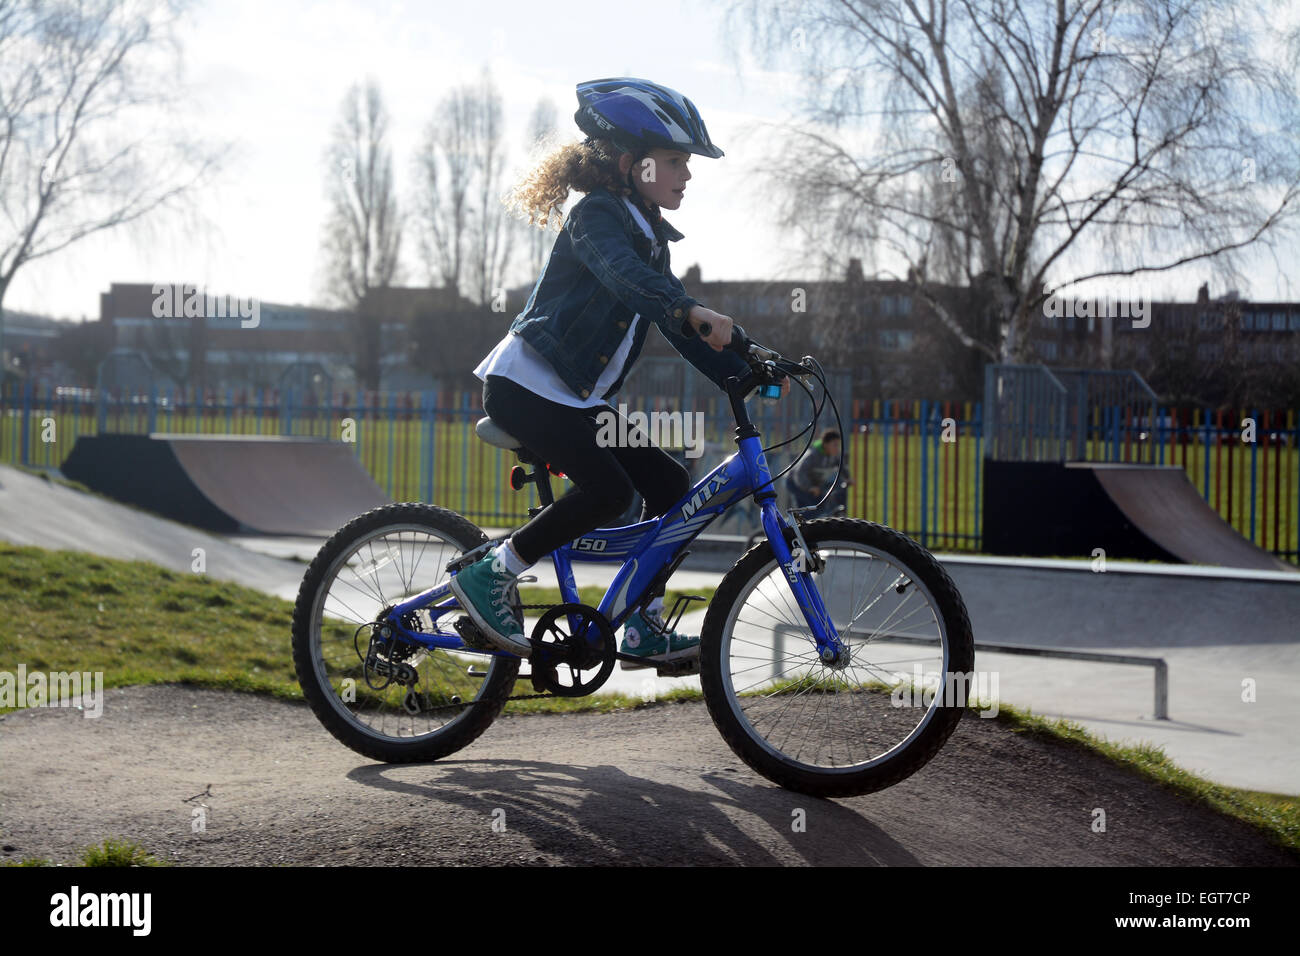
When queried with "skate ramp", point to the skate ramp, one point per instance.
{"points": [[1162, 504], [271, 485], [1144, 512]]}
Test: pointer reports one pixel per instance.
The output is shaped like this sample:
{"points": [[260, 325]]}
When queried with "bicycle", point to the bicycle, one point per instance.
{"points": [[802, 649]]}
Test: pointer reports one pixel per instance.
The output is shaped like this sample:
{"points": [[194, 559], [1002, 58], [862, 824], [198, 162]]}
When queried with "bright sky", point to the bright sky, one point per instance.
{"points": [[268, 77]]}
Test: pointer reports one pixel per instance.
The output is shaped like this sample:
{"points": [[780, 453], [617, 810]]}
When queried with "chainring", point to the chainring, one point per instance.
{"points": [[571, 640]]}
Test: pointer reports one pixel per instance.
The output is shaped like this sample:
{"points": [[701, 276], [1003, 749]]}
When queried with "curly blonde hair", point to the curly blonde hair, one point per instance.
{"points": [[586, 166]]}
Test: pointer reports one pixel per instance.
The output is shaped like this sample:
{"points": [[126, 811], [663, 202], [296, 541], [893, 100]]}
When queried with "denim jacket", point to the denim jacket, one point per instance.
{"points": [[600, 274]]}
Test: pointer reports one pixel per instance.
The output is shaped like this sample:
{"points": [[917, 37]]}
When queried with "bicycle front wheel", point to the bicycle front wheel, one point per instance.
{"points": [[875, 716]]}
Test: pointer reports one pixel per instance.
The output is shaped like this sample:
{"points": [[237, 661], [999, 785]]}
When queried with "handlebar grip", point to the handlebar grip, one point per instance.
{"points": [[739, 340]]}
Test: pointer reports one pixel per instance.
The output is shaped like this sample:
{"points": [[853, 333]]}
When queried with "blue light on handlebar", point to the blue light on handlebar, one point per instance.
{"points": [[769, 391]]}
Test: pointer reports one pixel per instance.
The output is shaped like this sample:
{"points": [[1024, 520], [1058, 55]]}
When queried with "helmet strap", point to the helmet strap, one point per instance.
{"points": [[652, 215]]}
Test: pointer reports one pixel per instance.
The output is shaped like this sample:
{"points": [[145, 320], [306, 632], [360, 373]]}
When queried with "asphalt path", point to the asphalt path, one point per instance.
{"points": [[213, 778]]}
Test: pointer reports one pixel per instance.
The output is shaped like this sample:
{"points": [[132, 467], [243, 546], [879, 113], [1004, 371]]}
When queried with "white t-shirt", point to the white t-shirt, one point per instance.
{"points": [[515, 359]]}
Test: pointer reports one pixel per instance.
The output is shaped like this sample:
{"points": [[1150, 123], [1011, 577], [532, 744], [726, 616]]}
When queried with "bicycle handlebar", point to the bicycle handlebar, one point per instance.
{"points": [[772, 366], [760, 357]]}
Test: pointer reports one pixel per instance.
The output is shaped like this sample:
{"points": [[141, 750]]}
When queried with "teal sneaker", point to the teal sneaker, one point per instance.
{"points": [[646, 636], [489, 596]]}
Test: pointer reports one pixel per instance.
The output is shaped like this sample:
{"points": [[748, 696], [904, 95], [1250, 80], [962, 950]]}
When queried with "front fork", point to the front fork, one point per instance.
{"points": [[797, 567]]}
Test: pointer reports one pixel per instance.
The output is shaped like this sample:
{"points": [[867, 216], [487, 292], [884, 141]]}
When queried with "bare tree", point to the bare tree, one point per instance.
{"points": [[491, 227], [81, 84], [466, 237], [541, 129], [364, 230], [442, 189], [1035, 143]]}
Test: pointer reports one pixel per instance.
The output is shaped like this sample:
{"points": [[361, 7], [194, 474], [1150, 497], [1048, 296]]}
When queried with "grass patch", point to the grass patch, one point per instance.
{"points": [[138, 624], [1275, 815], [114, 852]]}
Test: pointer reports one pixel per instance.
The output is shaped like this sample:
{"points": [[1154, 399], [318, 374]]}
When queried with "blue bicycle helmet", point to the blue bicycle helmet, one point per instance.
{"points": [[637, 114]]}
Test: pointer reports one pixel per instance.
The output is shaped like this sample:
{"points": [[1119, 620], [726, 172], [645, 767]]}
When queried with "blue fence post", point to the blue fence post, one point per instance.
{"points": [[417, 416], [885, 436], [464, 452], [357, 419], [392, 443], [925, 472], [1254, 458], [978, 503], [1206, 453], [1158, 435], [426, 460], [1115, 417], [24, 454]]}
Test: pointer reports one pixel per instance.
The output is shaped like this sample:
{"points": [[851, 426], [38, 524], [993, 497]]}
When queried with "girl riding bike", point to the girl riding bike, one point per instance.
{"points": [[549, 380]]}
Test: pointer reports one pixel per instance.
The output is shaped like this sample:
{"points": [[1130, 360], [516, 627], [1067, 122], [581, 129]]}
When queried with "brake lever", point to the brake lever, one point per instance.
{"points": [[760, 356]]}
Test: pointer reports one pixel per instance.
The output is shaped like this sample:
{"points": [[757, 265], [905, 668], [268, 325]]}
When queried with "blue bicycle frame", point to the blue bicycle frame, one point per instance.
{"points": [[647, 548]]}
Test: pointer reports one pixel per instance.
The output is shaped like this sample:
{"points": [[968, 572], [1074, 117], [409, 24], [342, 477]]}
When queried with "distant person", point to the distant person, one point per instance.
{"points": [[816, 472]]}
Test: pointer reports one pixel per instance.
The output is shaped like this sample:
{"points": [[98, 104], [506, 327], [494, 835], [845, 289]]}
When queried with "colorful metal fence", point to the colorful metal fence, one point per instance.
{"points": [[915, 465]]}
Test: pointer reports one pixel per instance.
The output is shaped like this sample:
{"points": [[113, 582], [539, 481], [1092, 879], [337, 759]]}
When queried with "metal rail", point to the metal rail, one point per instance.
{"points": [[1028, 650]]}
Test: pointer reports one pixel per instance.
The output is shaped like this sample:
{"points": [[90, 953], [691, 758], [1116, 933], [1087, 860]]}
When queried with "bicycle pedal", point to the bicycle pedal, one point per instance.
{"points": [[687, 667], [682, 667], [469, 633]]}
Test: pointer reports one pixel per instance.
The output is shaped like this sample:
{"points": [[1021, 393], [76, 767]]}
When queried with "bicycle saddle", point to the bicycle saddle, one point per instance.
{"points": [[494, 434]]}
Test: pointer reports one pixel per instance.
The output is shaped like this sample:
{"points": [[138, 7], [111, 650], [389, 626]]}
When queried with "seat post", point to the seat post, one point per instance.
{"points": [[539, 476], [544, 492]]}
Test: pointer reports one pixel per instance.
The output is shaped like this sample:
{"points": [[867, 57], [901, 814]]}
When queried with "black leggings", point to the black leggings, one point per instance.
{"points": [[604, 479]]}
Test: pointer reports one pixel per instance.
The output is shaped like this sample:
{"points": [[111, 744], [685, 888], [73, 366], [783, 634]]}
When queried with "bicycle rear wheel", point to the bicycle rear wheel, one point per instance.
{"points": [[864, 723], [377, 560]]}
